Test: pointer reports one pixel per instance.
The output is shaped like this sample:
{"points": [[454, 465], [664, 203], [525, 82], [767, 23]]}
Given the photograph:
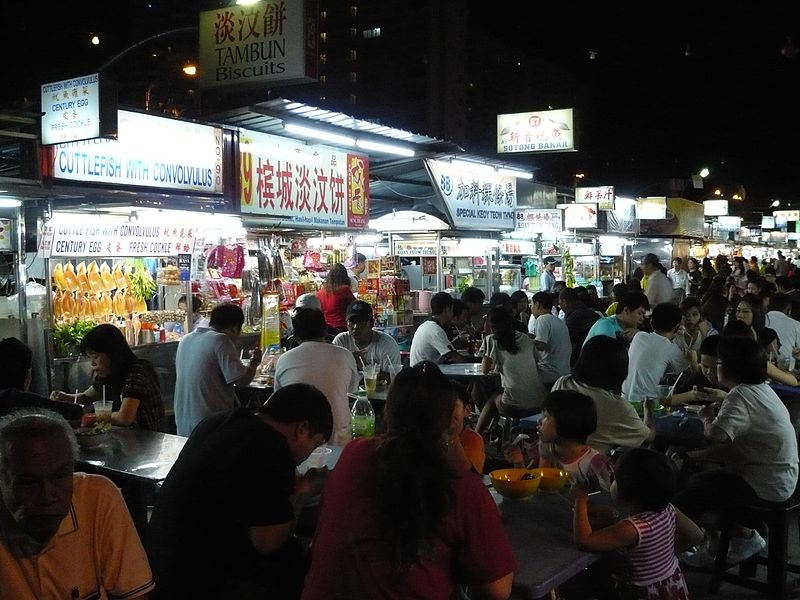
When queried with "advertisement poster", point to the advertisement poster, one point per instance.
{"points": [[477, 199], [541, 131], [309, 186]]}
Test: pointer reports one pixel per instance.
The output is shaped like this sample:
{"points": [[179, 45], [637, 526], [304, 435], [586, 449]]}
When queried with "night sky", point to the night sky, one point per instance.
{"points": [[667, 92]]}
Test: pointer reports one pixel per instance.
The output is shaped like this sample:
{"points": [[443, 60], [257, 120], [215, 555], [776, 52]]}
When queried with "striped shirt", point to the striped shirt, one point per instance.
{"points": [[653, 558]]}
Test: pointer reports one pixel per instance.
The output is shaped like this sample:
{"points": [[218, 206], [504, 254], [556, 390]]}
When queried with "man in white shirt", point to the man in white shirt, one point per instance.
{"points": [[679, 279], [780, 319], [652, 355], [659, 288], [331, 369], [547, 280], [356, 270], [430, 341], [366, 344], [551, 339]]}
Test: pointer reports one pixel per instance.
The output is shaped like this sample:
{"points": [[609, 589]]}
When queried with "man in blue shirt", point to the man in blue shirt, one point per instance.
{"points": [[625, 323], [547, 280]]}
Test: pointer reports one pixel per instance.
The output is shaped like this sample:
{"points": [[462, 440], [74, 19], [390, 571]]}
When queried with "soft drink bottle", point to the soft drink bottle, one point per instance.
{"points": [[362, 418]]}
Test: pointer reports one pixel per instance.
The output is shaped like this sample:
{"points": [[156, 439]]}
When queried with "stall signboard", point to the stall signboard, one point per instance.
{"points": [[106, 238], [517, 247], [309, 186], [581, 249], [266, 43], [767, 222], [415, 248], [541, 131], [538, 220], [78, 108], [580, 216], [682, 218], [715, 208], [479, 199], [784, 216], [652, 207], [152, 152], [602, 195], [726, 223]]}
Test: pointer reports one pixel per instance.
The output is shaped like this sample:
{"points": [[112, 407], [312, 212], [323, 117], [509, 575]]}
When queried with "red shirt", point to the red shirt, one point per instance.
{"points": [[350, 558], [334, 305]]}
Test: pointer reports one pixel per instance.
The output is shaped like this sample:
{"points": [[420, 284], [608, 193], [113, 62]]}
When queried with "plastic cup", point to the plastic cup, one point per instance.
{"points": [[318, 458], [370, 384], [393, 371], [102, 411]]}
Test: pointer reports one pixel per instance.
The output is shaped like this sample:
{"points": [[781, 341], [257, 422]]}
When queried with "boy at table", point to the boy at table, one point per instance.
{"points": [[223, 521]]}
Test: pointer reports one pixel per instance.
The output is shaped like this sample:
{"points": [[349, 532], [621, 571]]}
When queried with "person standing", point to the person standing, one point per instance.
{"points": [[782, 265], [659, 288], [208, 366], [334, 297], [367, 344], [679, 279], [695, 277], [355, 272], [330, 368], [547, 280], [62, 534], [223, 520]]}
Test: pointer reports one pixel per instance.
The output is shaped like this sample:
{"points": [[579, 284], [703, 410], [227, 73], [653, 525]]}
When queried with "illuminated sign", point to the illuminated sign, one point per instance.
{"points": [[541, 131], [652, 207], [78, 108], [538, 220], [580, 216], [603, 196], [715, 208]]}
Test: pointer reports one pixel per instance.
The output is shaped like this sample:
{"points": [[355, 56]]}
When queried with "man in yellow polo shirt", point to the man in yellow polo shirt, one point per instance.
{"points": [[62, 534]]}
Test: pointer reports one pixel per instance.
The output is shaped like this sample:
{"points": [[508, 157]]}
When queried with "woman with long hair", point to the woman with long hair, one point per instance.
{"points": [[335, 296], [129, 382], [695, 277], [511, 354], [403, 515], [707, 269], [601, 368]]}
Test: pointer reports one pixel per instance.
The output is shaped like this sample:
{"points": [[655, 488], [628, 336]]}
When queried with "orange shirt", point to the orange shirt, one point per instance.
{"points": [[473, 445]]}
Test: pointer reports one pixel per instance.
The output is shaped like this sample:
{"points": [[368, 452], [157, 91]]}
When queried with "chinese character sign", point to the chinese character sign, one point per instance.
{"points": [[602, 195], [269, 41], [542, 131], [476, 199], [544, 220], [308, 185]]}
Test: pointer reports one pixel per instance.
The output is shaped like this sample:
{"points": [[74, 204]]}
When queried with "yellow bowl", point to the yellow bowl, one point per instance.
{"points": [[552, 478], [509, 483]]}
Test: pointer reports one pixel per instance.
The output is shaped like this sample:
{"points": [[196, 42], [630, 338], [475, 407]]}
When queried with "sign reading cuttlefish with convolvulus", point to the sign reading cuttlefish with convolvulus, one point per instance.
{"points": [[541, 131], [78, 108], [476, 198], [153, 152], [266, 43]]}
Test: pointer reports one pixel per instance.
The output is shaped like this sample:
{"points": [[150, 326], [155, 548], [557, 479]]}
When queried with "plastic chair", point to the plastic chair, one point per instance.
{"points": [[778, 517]]}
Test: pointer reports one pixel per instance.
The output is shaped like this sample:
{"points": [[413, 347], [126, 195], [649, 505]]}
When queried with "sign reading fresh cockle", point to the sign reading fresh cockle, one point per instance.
{"points": [[478, 198], [107, 238], [150, 152]]}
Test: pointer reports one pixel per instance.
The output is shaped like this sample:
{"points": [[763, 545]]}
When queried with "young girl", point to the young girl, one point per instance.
{"points": [[568, 418], [645, 480]]}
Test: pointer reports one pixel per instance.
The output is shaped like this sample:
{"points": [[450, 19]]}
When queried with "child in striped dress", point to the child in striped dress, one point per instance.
{"points": [[648, 538]]}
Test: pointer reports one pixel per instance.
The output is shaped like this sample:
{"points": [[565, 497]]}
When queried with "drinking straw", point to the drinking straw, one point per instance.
{"points": [[672, 389], [363, 366], [104, 394], [75, 401]]}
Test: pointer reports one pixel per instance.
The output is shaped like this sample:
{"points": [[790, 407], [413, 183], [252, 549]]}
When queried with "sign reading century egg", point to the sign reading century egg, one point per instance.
{"points": [[266, 43], [542, 131], [78, 108], [151, 152], [307, 185]]}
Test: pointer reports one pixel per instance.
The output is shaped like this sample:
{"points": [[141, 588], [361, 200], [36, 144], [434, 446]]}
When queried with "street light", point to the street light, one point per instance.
{"points": [[775, 204]]}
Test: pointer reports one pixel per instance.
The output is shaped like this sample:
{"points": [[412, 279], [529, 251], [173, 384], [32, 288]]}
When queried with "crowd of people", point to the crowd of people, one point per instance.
{"points": [[406, 514]]}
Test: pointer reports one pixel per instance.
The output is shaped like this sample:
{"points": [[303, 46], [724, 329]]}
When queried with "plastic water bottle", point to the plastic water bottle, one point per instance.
{"points": [[362, 418]]}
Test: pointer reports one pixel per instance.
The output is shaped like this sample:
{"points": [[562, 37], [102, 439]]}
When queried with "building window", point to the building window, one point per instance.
{"points": [[353, 11], [323, 37], [353, 32], [353, 99], [371, 33], [323, 14], [353, 55], [353, 76], [323, 79], [323, 58]]}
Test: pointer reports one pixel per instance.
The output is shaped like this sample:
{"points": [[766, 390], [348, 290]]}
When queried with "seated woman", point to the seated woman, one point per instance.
{"points": [[403, 515], [129, 382], [753, 438], [741, 329], [511, 354], [601, 368]]}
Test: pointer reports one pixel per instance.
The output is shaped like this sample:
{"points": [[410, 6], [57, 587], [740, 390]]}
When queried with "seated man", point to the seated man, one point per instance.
{"points": [[624, 324], [62, 534], [329, 368], [579, 319], [652, 354], [551, 339], [366, 344], [223, 520], [15, 378], [430, 341]]}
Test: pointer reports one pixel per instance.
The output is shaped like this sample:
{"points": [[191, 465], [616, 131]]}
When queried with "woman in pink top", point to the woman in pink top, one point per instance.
{"points": [[645, 481], [335, 296]]}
